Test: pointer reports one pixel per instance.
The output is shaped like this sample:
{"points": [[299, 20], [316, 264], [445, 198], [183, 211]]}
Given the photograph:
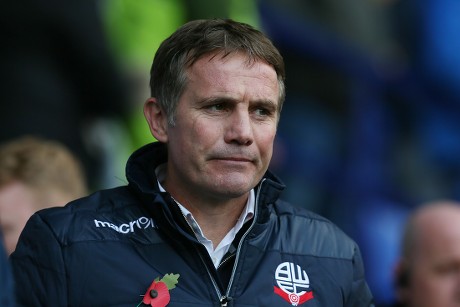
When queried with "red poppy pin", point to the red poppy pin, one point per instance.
{"points": [[157, 294]]}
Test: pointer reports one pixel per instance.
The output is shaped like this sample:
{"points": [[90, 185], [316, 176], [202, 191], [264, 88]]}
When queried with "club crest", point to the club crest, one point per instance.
{"points": [[293, 284]]}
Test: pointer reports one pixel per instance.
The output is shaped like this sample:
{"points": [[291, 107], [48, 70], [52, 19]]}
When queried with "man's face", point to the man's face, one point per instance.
{"points": [[435, 276], [226, 123]]}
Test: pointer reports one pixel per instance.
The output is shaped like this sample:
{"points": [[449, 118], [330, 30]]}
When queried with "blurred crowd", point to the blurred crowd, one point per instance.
{"points": [[368, 132], [372, 110]]}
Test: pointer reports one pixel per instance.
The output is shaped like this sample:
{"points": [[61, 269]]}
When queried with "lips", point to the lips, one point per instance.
{"points": [[241, 159], [236, 159]]}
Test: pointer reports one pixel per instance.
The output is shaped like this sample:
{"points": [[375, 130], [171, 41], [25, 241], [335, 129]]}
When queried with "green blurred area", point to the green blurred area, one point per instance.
{"points": [[135, 30]]}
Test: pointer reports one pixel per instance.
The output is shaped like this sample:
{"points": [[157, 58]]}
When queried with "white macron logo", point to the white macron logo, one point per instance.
{"points": [[141, 223]]}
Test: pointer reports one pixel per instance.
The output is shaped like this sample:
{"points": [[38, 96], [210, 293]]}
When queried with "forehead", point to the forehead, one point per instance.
{"points": [[233, 71], [15, 197], [439, 233]]}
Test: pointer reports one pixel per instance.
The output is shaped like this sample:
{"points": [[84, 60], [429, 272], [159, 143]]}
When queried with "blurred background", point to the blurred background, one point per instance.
{"points": [[369, 129]]}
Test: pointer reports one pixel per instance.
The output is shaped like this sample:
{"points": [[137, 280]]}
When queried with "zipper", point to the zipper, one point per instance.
{"points": [[225, 299], [225, 260]]}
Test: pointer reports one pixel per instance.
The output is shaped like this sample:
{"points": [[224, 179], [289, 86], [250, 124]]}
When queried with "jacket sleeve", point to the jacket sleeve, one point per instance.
{"points": [[360, 295], [38, 266]]}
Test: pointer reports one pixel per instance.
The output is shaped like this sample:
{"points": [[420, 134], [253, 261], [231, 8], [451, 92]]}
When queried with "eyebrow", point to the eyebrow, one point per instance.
{"points": [[267, 103], [216, 100]]}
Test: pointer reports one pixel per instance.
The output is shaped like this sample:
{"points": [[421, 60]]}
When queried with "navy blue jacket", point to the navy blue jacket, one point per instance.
{"points": [[107, 248]]}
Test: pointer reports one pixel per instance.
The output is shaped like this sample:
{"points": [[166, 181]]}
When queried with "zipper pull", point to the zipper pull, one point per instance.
{"points": [[224, 301]]}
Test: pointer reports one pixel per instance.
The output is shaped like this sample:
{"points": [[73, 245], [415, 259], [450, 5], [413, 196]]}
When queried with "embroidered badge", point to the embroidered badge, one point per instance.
{"points": [[158, 293], [293, 284]]}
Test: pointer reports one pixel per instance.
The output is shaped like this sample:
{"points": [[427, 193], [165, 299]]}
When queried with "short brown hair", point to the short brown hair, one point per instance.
{"points": [[42, 165], [198, 38]]}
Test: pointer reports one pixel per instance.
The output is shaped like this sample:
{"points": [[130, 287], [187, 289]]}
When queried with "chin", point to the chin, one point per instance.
{"points": [[233, 191], [233, 184]]}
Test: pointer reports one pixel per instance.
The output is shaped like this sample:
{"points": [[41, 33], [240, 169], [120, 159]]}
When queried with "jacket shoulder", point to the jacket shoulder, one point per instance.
{"points": [[103, 201], [99, 216], [309, 231]]}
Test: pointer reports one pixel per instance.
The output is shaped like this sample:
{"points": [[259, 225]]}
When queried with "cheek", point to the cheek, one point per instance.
{"points": [[205, 134], [204, 129], [193, 140], [265, 143], [432, 286]]}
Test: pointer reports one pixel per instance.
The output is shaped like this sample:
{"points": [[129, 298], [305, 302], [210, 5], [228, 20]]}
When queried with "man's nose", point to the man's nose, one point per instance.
{"points": [[239, 128]]}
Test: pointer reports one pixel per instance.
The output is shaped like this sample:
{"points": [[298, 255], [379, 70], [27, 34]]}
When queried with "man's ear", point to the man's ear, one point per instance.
{"points": [[157, 119]]}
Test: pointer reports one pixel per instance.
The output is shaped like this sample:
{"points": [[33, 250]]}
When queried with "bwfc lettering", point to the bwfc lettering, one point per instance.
{"points": [[141, 223], [293, 284]]}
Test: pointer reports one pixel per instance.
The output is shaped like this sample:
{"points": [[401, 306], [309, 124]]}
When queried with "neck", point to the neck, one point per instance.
{"points": [[216, 213], [217, 222], [215, 217]]}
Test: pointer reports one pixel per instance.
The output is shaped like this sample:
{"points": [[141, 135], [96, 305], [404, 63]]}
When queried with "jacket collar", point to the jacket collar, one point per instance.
{"points": [[140, 168], [140, 172]]}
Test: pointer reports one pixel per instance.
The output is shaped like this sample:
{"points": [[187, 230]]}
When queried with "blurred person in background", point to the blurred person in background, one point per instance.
{"points": [[35, 174], [59, 81], [428, 272]]}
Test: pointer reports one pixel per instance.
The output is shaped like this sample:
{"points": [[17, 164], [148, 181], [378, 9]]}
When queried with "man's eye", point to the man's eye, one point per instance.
{"points": [[216, 107], [262, 112], [449, 269]]}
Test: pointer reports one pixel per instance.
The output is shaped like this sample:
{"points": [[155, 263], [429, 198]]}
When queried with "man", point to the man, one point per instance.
{"points": [[200, 222], [428, 273], [34, 174]]}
